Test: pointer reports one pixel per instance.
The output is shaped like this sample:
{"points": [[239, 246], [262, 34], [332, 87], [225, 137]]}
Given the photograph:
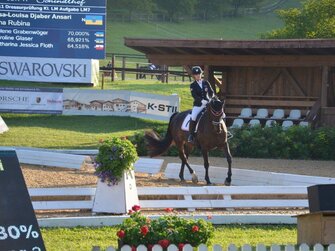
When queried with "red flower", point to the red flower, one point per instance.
{"points": [[164, 243], [144, 230], [136, 208], [169, 210], [121, 234], [181, 246], [150, 246], [209, 217], [133, 248], [195, 229]]}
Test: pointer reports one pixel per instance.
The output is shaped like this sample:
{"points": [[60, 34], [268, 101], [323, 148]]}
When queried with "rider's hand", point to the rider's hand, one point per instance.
{"points": [[204, 102]]}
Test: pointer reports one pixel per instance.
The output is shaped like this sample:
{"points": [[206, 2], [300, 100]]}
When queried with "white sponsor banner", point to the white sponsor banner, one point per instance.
{"points": [[52, 70], [119, 103], [31, 100]]}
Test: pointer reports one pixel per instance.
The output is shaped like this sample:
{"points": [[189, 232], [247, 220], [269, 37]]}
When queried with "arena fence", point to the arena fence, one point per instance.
{"points": [[191, 198], [232, 247]]}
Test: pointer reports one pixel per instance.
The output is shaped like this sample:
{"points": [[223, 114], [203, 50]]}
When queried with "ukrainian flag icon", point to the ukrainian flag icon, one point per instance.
{"points": [[93, 20]]}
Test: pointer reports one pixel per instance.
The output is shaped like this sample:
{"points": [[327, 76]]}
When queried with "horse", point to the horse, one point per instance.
{"points": [[211, 133]]}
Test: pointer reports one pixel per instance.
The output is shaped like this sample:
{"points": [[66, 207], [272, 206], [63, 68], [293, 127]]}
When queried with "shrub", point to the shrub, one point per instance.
{"points": [[269, 142], [115, 156], [165, 230]]}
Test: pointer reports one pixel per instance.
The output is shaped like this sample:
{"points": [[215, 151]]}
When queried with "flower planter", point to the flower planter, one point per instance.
{"points": [[116, 199]]}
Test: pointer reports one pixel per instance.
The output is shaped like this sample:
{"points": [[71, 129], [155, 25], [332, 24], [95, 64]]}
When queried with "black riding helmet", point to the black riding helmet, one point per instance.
{"points": [[196, 70]]}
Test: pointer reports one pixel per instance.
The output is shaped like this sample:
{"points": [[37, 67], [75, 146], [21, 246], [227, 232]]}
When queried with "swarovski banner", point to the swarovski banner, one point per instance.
{"points": [[63, 70], [31, 100], [119, 103]]}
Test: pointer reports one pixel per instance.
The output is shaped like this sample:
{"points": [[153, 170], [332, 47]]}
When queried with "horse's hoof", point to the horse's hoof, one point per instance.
{"points": [[182, 180], [227, 183], [195, 179], [210, 184]]}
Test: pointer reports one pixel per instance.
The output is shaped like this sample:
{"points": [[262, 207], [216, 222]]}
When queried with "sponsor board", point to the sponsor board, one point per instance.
{"points": [[56, 29], [50, 70], [119, 103], [31, 100]]}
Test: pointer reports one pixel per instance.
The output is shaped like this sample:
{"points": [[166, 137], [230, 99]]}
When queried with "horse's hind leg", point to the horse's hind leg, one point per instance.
{"points": [[229, 160], [183, 157]]}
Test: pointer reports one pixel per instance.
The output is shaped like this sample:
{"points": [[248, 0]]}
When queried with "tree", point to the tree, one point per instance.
{"points": [[238, 4], [131, 6], [208, 9], [177, 8], [315, 19]]}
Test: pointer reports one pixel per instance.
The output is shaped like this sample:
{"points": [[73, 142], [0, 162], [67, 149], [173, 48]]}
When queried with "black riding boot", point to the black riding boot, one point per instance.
{"points": [[191, 131]]}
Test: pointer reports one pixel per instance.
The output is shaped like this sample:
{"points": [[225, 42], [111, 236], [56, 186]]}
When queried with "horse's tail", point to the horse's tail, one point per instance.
{"points": [[155, 144]]}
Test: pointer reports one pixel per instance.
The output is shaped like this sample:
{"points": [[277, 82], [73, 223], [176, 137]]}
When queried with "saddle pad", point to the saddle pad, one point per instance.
{"points": [[186, 123]]}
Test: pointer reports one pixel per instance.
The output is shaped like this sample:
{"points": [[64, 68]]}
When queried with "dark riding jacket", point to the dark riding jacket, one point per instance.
{"points": [[198, 93]]}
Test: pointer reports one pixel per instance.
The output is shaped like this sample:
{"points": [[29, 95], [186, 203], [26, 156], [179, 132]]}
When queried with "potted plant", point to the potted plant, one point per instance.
{"points": [[164, 231], [116, 190]]}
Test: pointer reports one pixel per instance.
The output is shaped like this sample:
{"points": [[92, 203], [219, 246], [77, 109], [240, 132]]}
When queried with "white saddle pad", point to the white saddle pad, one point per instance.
{"points": [[186, 123]]}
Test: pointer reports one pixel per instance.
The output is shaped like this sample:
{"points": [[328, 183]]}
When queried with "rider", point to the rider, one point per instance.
{"points": [[201, 92]]}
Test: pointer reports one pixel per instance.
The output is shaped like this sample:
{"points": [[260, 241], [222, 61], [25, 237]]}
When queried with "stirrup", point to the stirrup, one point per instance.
{"points": [[190, 138]]}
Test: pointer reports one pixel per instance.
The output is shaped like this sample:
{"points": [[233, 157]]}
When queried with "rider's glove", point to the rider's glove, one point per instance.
{"points": [[204, 102]]}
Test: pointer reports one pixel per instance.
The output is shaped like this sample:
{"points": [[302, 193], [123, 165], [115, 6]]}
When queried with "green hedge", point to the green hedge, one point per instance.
{"points": [[295, 143]]}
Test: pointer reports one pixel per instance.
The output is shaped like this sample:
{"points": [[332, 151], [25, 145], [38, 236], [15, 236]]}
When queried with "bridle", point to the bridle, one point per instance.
{"points": [[216, 114]]}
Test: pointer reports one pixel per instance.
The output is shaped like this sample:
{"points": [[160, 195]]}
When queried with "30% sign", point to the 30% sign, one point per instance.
{"points": [[17, 232]]}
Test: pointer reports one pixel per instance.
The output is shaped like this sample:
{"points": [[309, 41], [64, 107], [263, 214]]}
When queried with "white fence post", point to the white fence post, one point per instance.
{"points": [[304, 247], [188, 247], [289, 248], [318, 247], [141, 248], [331, 247], [217, 247], [246, 247], [275, 248], [172, 248], [232, 247], [157, 248], [202, 247], [260, 247], [126, 248]]}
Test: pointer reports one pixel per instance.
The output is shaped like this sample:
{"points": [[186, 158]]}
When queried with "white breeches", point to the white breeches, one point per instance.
{"points": [[195, 111]]}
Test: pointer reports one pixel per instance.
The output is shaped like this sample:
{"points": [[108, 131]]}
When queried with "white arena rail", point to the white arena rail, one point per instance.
{"points": [[231, 247], [244, 177], [247, 197]]}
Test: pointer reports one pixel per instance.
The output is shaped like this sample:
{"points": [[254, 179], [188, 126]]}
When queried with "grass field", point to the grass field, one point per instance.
{"points": [[245, 27], [82, 239]]}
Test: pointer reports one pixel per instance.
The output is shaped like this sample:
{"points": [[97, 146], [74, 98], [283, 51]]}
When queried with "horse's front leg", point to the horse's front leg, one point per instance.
{"points": [[206, 165], [229, 160]]}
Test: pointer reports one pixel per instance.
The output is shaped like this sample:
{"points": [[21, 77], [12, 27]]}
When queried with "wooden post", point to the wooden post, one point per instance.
{"points": [[113, 68], [324, 86], [163, 74], [167, 74], [123, 74], [103, 80], [137, 68]]}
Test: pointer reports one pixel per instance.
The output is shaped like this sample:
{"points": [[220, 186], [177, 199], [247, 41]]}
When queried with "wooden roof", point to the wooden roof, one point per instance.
{"points": [[232, 47]]}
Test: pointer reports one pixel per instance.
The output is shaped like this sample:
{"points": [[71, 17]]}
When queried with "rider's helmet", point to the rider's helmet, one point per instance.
{"points": [[196, 70]]}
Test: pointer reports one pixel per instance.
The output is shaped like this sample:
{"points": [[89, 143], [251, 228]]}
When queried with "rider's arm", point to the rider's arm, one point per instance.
{"points": [[195, 96]]}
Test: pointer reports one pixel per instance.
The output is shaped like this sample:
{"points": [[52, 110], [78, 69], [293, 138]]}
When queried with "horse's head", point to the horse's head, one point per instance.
{"points": [[215, 109]]}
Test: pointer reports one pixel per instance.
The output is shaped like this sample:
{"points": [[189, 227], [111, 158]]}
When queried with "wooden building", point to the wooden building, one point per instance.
{"points": [[288, 74]]}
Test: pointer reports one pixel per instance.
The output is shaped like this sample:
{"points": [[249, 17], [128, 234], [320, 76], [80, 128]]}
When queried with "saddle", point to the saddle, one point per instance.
{"points": [[186, 122]]}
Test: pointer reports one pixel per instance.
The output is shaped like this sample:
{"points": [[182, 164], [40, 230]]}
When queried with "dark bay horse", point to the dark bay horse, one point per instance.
{"points": [[211, 134]]}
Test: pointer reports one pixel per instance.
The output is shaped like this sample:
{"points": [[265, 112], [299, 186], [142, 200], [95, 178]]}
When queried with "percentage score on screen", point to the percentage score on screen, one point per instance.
{"points": [[15, 232]]}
